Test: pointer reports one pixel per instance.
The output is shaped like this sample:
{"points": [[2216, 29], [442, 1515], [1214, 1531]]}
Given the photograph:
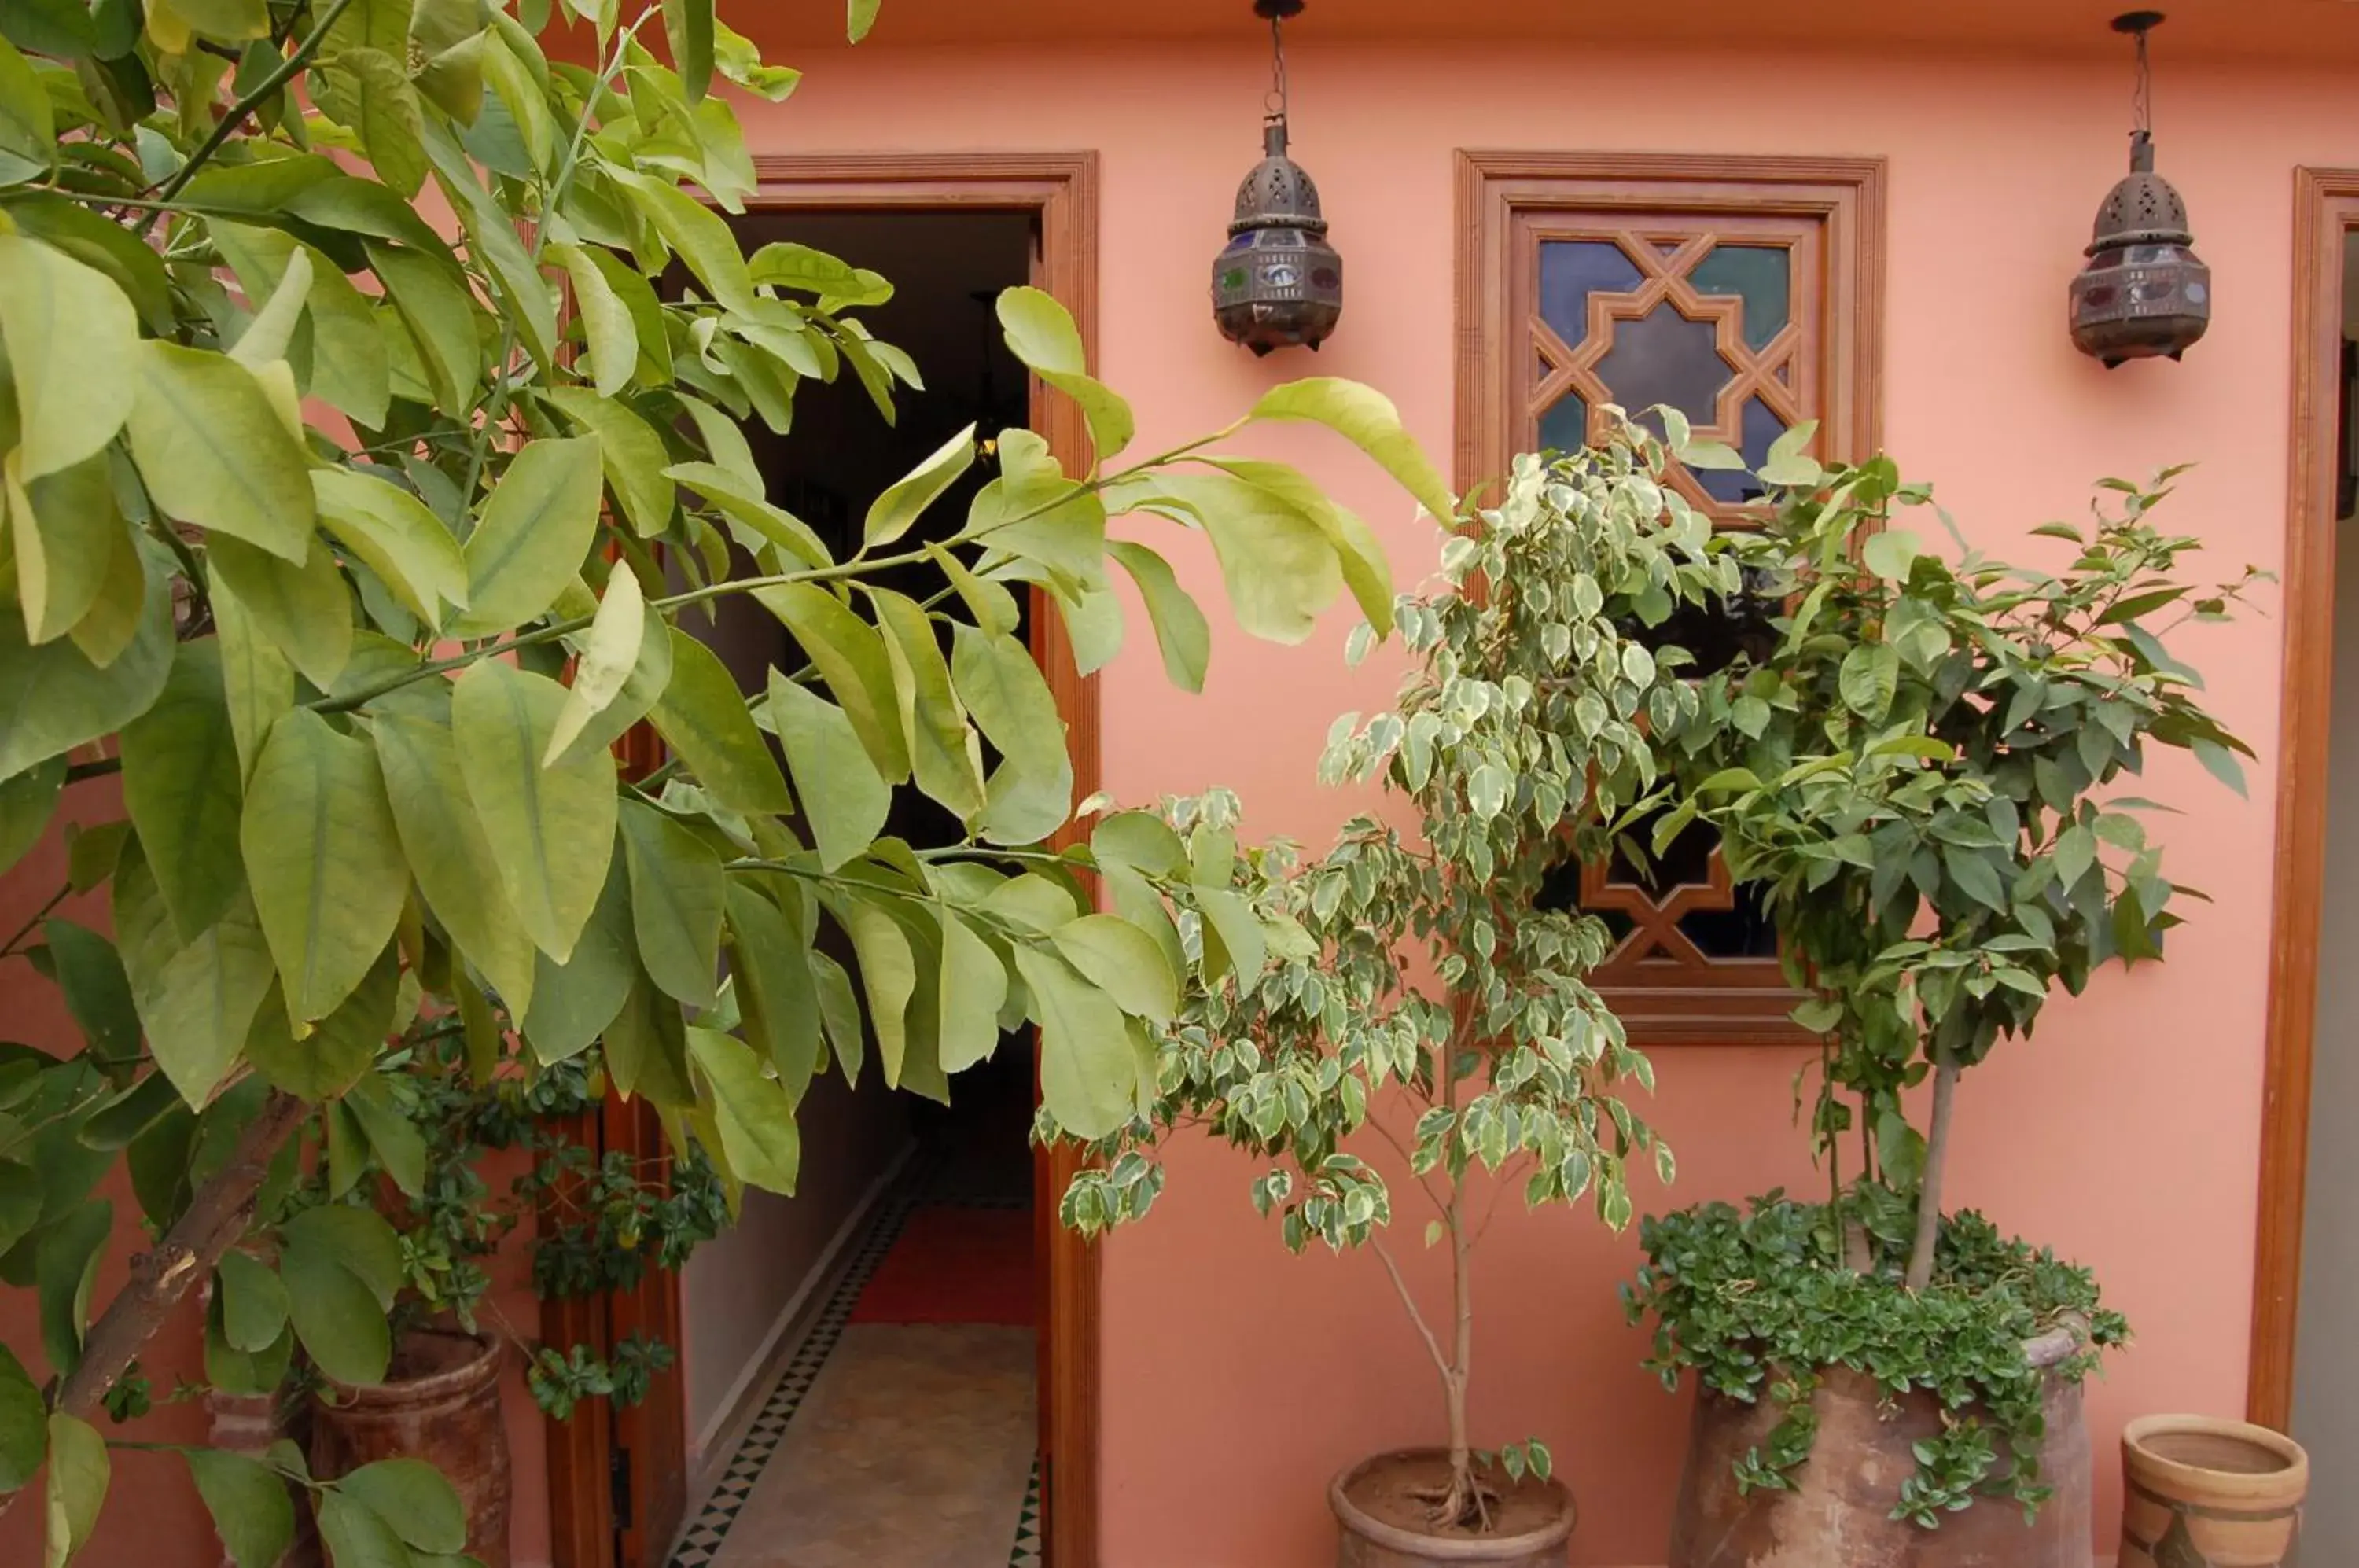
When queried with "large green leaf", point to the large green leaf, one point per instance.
{"points": [[703, 716], [254, 1302], [632, 455], [250, 1506], [973, 989], [28, 803], [256, 680], [1030, 793], [606, 322], [1366, 418], [24, 1424], [1180, 632], [304, 609], [441, 318], [66, 1267], [859, 15], [700, 234], [270, 331], [903, 501], [181, 786], [844, 798], [53, 699], [66, 529], [942, 754], [339, 1048], [1124, 961], [888, 973], [758, 1137], [402, 542], [214, 451], [688, 25], [850, 656], [573, 1001], [443, 840], [97, 991], [79, 1473], [414, 1498], [74, 352], [1280, 567], [1362, 560], [1042, 333], [771, 966], [356, 1535], [538, 819], [349, 364], [323, 859], [197, 999], [534, 535], [28, 132], [609, 653], [1089, 1080], [336, 1316], [678, 890]]}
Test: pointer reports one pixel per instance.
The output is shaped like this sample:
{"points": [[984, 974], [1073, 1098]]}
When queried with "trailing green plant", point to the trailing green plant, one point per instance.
{"points": [[1920, 770], [351, 541], [1758, 1304], [1424, 954]]}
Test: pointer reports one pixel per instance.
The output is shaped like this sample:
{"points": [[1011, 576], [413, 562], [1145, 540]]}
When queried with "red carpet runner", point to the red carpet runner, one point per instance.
{"points": [[953, 1265]]}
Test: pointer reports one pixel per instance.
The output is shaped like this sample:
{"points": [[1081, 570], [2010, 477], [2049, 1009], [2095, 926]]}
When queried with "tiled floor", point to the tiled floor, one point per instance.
{"points": [[884, 1445]]}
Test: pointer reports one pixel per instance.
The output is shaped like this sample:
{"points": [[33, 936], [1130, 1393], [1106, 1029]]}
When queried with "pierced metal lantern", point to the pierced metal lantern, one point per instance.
{"points": [[2144, 292], [1277, 283]]}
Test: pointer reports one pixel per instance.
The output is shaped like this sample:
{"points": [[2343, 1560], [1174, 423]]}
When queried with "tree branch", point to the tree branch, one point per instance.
{"points": [[217, 1217], [1937, 1155], [244, 107], [1432, 1344]]}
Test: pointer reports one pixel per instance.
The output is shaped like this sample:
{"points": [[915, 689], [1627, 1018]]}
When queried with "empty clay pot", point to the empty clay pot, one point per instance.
{"points": [[2201, 1493]]}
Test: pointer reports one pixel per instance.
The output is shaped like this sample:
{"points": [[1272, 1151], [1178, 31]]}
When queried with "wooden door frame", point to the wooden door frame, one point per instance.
{"points": [[2326, 208], [1060, 192]]}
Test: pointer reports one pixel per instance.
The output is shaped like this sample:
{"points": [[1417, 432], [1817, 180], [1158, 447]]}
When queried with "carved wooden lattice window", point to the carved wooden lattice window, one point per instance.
{"points": [[1745, 293]]}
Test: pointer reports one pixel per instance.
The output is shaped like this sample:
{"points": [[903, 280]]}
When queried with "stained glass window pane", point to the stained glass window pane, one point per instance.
{"points": [[1761, 428], [1663, 357], [1565, 427], [1570, 271], [1761, 276]]}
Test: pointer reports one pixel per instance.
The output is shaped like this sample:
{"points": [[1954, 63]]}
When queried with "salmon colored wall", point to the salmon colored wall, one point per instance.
{"points": [[1237, 1379]]}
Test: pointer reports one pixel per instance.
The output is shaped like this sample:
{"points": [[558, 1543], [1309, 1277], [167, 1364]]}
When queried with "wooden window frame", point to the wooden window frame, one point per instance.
{"points": [[1502, 199]]}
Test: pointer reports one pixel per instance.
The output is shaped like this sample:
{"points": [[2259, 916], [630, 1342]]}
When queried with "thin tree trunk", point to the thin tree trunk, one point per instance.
{"points": [[1462, 1345], [216, 1217], [1937, 1159]]}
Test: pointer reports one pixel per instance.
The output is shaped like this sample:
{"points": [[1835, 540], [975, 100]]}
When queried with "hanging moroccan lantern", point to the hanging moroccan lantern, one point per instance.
{"points": [[2143, 292], [1277, 283]]}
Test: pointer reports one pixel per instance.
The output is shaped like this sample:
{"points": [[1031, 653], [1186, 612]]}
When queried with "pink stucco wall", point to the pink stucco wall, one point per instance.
{"points": [[1237, 1379]]}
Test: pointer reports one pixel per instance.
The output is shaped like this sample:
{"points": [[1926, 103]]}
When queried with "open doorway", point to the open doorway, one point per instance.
{"points": [[2325, 1415], [860, 1359]]}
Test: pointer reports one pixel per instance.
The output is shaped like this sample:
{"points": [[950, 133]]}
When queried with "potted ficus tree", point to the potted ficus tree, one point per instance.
{"points": [[1415, 982], [1922, 768]]}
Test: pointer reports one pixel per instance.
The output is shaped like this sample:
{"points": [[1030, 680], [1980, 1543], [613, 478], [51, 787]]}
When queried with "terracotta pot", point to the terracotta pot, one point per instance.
{"points": [[439, 1402], [1838, 1515], [2199, 1493], [1378, 1531]]}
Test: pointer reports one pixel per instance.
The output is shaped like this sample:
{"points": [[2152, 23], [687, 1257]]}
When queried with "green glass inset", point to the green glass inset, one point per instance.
{"points": [[1761, 276], [1565, 426]]}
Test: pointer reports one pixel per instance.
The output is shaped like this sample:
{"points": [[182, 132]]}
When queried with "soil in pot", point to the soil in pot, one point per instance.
{"points": [[1383, 1505], [440, 1403], [1838, 1513], [2199, 1493]]}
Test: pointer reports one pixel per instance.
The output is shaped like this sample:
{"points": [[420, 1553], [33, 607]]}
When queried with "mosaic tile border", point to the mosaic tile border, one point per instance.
{"points": [[700, 1541]]}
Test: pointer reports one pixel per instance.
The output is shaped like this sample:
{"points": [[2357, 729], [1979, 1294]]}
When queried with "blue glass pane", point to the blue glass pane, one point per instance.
{"points": [[1761, 276], [1663, 357], [1761, 428], [1570, 271], [1565, 426]]}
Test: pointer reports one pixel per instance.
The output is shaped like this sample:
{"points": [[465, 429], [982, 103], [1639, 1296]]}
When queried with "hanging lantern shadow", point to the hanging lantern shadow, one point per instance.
{"points": [[2143, 293], [1277, 283]]}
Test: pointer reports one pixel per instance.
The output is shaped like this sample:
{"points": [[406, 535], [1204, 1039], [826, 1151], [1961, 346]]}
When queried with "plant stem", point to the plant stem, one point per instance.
{"points": [[244, 107], [1937, 1154], [9, 948], [1453, 1379]]}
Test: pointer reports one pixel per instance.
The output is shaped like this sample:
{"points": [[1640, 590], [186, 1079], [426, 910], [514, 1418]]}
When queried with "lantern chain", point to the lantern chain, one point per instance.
{"points": [[2142, 91], [1274, 101]]}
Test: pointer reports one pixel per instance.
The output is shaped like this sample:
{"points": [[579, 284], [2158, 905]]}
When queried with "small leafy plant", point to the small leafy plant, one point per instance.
{"points": [[1430, 963], [1922, 770]]}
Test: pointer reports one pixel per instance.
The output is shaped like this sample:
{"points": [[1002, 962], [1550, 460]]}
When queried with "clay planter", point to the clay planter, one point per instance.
{"points": [[1838, 1514], [2199, 1493], [440, 1403], [1381, 1527]]}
